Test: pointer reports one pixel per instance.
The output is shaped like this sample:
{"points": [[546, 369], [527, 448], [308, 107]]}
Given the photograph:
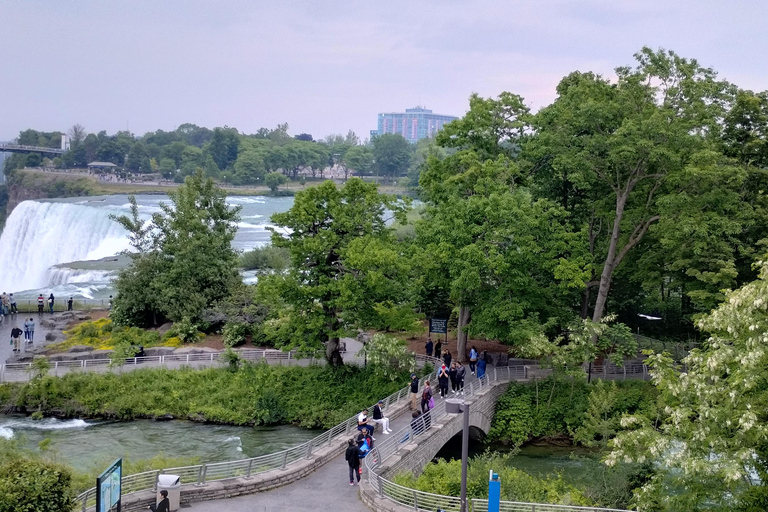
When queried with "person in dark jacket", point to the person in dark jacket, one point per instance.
{"points": [[414, 391], [447, 358], [353, 460], [426, 396], [428, 347], [442, 380], [438, 349], [460, 373], [51, 300], [452, 375], [164, 505]]}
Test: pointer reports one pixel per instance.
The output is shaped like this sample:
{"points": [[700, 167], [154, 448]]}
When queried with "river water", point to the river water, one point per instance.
{"points": [[42, 237], [91, 445]]}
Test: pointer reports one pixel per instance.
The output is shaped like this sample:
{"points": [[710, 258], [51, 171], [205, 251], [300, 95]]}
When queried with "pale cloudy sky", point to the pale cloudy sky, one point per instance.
{"points": [[328, 66]]}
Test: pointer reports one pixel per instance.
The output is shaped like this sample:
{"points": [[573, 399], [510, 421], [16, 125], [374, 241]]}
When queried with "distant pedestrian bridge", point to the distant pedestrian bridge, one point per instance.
{"points": [[19, 148]]}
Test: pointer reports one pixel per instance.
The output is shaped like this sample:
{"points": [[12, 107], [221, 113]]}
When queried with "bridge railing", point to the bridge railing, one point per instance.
{"points": [[202, 473], [428, 502]]}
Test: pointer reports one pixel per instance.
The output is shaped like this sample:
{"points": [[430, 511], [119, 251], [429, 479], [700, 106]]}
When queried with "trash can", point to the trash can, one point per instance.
{"points": [[170, 483]]}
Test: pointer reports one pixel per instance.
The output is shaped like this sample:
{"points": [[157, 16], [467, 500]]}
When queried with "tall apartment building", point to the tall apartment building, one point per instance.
{"points": [[416, 123]]}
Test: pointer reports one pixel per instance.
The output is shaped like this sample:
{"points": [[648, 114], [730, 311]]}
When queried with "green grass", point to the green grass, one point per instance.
{"points": [[312, 397]]}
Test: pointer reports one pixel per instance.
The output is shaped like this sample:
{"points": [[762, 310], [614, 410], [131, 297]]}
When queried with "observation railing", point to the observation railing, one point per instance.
{"points": [[21, 372], [424, 501], [202, 473]]}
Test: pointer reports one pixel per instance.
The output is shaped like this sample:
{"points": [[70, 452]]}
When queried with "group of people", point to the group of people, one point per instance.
{"points": [[421, 403], [358, 448], [29, 334], [475, 363]]}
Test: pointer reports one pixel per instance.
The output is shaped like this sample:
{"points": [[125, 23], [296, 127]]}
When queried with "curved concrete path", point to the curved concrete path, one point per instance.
{"points": [[325, 489]]}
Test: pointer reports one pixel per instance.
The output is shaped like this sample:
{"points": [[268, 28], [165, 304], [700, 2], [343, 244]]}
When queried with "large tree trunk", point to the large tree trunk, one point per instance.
{"points": [[461, 336], [610, 259]]}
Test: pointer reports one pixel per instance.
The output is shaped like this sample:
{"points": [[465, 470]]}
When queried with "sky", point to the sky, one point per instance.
{"points": [[326, 66]]}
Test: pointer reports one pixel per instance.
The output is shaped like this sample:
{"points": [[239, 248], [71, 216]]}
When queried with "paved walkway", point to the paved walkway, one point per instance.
{"points": [[325, 489], [10, 321]]}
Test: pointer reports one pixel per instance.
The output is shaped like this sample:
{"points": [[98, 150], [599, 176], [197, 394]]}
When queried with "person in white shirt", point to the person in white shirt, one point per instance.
{"points": [[362, 423], [378, 417]]}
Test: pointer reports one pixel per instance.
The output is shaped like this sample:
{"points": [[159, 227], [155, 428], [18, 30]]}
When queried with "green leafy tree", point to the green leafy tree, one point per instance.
{"points": [[273, 180], [184, 260], [714, 443], [249, 167], [138, 158], [612, 153], [343, 265], [167, 168], [223, 146], [392, 154], [359, 159]]}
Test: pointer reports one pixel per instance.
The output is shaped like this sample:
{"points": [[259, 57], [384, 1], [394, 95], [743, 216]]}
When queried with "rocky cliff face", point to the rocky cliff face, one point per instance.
{"points": [[24, 185]]}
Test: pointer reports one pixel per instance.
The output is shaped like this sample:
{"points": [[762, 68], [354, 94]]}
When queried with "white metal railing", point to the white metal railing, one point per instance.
{"points": [[202, 473], [428, 502], [22, 372]]}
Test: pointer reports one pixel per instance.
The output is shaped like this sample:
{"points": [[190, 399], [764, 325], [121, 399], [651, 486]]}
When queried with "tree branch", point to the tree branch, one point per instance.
{"points": [[637, 234]]}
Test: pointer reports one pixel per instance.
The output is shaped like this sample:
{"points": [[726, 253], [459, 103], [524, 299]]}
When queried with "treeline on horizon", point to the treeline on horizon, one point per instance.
{"points": [[228, 155]]}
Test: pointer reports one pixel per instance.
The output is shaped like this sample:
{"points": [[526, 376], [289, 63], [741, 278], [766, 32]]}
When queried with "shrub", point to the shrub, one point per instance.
{"points": [[235, 333], [185, 330], [35, 485]]}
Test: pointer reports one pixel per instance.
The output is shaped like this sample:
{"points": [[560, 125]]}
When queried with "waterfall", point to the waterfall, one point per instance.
{"points": [[41, 234]]}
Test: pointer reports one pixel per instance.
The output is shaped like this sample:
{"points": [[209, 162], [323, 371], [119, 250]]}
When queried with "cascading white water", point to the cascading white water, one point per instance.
{"points": [[40, 234]]}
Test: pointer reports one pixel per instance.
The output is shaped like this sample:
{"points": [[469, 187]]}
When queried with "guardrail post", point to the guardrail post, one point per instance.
{"points": [[349, 426], [380, 486], [495, 376], [248, 472], [285, 459], [85, 503], [309, 449], [157, 477], [415, 500], [201, 475]]}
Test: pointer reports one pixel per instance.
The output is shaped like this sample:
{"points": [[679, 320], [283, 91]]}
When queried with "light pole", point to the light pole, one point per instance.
{"points": [[464, 456]]}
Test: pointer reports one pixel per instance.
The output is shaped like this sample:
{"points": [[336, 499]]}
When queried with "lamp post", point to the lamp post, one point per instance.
{"points": [[464, 456]]}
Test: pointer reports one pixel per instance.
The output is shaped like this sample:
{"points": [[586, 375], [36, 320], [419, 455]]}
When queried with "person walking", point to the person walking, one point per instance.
{"points": [[460, 373], [442, 380], [447, 358], [353, 460], [40, 304], [414, 391], [472, 359], [26, 330], [6, 303], [31, 325], [50, 302], [452, 375], [378, 417], [427, 402], [438, 349], [481, 367], [12, 300], [16, 336], [70, 303], [428, 347]]}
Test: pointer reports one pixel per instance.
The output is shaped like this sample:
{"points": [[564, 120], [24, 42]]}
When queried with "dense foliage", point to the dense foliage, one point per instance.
{"points": [[445, 478], [714, 441], [267, 157], [184, 261], [313, 397], [566, 408], [29, 483]]}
